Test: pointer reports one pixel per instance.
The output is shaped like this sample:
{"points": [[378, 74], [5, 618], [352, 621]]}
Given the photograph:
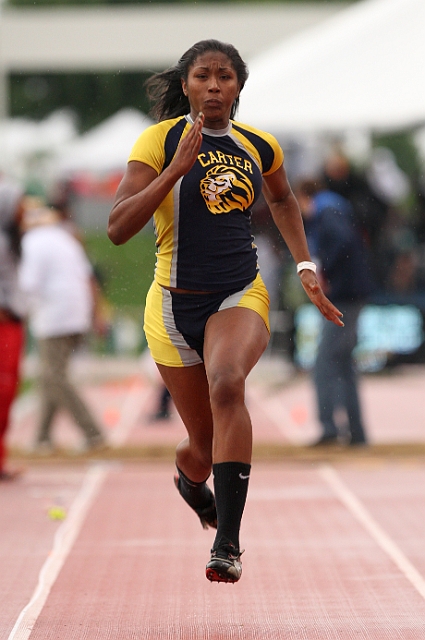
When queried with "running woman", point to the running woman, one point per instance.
{"points": [[198, 172]]}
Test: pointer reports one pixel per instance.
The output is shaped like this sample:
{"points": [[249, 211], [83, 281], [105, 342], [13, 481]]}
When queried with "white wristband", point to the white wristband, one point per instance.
{"points": [[306, 265]]}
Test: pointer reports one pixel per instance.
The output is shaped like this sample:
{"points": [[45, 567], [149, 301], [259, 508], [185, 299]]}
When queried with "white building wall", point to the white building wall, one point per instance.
{"points": [[133, 37]]}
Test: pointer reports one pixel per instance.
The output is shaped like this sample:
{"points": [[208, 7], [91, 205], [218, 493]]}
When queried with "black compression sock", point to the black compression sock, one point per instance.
{"points": [[196, 494], [230, 488]]}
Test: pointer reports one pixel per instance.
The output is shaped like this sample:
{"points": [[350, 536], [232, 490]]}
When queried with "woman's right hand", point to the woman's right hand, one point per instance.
{"points": [[142, 190], [189, 147]]}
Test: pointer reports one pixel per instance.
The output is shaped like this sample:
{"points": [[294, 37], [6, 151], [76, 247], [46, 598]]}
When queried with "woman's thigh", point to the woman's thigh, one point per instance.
{"points": [[189, 389], [235, 339]]}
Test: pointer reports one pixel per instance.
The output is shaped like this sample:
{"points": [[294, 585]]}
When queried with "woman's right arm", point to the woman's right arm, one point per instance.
{"points": [[142, 190], [139, 194]]}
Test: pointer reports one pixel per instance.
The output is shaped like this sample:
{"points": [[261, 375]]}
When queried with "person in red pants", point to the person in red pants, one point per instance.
{"points": [[11, 310]]}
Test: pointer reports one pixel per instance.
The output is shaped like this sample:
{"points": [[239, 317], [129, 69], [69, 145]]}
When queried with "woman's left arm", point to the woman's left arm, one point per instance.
{"points": [[287, 217]]}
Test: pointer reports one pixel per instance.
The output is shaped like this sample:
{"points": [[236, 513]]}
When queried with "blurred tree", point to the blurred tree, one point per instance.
{"points": [[402, 145], [93, 96]]}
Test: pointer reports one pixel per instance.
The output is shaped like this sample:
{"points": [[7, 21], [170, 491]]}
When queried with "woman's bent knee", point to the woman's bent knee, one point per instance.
{"points": [[227, 388]]}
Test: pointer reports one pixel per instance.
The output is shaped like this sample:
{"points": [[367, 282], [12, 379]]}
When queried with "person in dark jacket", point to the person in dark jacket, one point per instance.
{"points": [[336, 245]]}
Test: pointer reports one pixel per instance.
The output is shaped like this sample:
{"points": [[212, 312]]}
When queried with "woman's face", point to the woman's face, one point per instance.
{"points": [[212, 87]]}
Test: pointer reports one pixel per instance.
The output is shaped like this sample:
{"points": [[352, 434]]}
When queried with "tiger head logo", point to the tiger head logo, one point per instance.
{"points": [[224, 189]]}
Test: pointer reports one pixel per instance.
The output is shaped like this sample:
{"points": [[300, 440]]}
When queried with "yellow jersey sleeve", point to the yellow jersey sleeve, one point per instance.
{"points": [[261, 145], [149, 148], [278, 153]]}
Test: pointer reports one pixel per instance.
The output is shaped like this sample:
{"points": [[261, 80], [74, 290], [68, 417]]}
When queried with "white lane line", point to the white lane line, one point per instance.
{"points": [[278, 418], [131, 410], [63, 542], [377, 533], [282, 419]]}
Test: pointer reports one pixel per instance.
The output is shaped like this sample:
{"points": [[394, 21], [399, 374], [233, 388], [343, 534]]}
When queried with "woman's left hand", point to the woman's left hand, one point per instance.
{"points": [[314, 291]]}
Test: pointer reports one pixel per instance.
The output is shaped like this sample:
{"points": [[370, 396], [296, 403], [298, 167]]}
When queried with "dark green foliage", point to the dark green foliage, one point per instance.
{"points": [[93, 96], [403, 147]]}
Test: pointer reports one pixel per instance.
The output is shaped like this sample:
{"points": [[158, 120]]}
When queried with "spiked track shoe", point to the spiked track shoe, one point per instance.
{"points": [[225, 565]]}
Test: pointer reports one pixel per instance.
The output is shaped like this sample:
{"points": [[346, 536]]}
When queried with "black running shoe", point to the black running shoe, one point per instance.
{"points": [[208, 513], [225, 564]]}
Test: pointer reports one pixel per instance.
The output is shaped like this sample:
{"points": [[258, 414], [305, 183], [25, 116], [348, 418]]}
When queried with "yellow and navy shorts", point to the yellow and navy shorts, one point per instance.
{"points": [[175, 323]]}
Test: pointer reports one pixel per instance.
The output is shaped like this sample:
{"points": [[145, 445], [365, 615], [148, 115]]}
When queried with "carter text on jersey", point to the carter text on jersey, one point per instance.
{"points": [[224, 158]]}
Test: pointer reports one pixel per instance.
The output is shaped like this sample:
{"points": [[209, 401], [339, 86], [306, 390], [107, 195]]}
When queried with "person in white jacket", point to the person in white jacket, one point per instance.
{"points": [[56, 276]]}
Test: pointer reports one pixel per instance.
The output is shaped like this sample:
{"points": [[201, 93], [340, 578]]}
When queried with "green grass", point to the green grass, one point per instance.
{"points": [[126, 272]]}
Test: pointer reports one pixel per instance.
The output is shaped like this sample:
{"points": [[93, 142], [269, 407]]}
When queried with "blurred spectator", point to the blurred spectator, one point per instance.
{"points": [[336, 245], [276, 267], [398, 256], [419, 208], [271, 251], [11, 310], [370, 209], [163, 408], [270, 266], [418, 226], [102, 317], [60, 200], [57, 277]]}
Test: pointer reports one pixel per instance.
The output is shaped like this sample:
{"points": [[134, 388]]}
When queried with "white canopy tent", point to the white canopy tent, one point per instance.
{"points": [[106, 147], [22, 139], [360, 69]]}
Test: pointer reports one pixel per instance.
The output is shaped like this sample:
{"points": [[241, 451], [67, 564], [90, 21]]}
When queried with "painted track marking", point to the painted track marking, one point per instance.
{"points": [[64, 539], [133, 403], [378, 534]]}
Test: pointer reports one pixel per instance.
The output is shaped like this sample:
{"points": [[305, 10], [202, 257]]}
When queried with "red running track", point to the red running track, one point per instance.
{"points": [[332, 553], [282, 414]]}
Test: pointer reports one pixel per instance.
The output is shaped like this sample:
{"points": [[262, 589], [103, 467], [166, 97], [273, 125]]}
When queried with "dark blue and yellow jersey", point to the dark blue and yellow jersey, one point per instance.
{"points": [[203, 226]]}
